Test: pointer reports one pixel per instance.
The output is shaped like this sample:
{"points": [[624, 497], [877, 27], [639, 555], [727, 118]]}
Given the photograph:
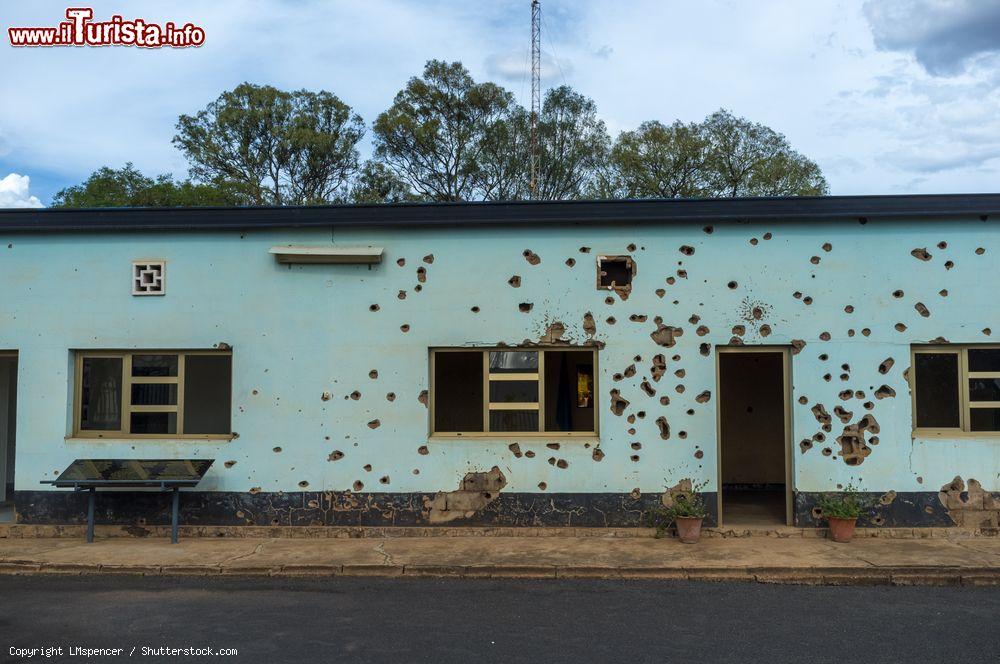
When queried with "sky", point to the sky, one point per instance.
{"points": [[887, 96]]}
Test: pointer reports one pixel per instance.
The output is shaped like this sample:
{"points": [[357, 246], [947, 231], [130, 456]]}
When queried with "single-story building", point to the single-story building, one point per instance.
{"points": [[516, 364]]}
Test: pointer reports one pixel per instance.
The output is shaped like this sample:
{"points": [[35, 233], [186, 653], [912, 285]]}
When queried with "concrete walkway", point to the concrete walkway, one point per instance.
{"points": [[969, 561]]}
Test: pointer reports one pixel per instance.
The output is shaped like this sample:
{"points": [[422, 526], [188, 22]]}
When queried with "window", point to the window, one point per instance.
{"points": [[956, 389], [513, 391], [615, 273], [147, 394]]}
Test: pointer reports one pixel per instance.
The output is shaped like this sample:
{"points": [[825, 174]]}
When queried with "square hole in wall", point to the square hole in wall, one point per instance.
{"points": [[615, 273], [149, 277]]}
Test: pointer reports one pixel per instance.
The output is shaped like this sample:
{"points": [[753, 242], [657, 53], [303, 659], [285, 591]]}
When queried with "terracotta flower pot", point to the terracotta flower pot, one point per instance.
{"points": [[688, 528], [841, 530]]}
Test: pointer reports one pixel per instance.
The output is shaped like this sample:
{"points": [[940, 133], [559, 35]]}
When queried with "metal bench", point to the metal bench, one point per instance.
{"points": [[163, 474]]}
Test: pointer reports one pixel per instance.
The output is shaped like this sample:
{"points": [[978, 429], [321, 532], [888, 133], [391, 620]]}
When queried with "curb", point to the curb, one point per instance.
{"points": [[863, 576]]}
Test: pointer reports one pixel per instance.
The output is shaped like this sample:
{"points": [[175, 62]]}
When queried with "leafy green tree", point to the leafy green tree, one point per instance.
{"points": [[656, 161], [127, 187], [573, 144], [376, 183], [750, 159], [433, 134], [281, 148]]}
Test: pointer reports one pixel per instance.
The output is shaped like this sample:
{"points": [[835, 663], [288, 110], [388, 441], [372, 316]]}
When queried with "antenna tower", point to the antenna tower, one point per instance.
{"points": [[536, 78]]}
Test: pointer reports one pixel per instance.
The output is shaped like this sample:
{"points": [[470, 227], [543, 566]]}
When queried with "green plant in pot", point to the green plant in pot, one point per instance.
{"points": [[684, 507], [841, 510]]}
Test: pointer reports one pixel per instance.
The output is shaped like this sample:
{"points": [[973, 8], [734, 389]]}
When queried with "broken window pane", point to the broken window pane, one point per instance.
{"points": [[165, 423], [984, 359], [937, 399], [207, 394], [458, 391], [154, 394], [614, 271], [984, 389], [514, 420], [984, 419], [154, 365], [101, 394], [513, 361], [569, 385], [514, 391]]}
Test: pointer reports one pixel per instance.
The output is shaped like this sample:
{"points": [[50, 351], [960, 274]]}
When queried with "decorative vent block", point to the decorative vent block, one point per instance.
{"points": [[149, 278]]}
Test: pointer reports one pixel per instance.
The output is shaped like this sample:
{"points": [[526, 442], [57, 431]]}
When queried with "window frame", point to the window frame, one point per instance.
{"points": [[127, 408], [965, 404], [508, 435]]}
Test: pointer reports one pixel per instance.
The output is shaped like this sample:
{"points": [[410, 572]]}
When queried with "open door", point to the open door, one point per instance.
{"points": [[8, 414], [754, 437]]}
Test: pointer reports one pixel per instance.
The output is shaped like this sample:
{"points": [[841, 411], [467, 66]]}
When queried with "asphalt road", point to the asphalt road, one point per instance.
{"points": [[474, 621]]}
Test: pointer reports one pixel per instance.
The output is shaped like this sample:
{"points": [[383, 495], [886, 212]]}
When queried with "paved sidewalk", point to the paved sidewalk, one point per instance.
{"points": [[969, 561]]}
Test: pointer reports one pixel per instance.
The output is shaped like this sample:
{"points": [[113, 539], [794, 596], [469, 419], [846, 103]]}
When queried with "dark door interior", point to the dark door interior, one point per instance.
{"points": [[8, 407]]}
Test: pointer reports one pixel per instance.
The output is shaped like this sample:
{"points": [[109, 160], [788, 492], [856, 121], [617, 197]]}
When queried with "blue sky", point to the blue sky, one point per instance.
{"points": [[894, 96]]}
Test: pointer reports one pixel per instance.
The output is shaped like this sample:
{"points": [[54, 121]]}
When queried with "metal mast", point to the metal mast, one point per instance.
{"points": [[536, 79]]}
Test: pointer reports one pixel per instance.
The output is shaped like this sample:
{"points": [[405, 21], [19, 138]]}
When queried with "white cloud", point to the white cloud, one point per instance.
{"points": [[14, 192]]}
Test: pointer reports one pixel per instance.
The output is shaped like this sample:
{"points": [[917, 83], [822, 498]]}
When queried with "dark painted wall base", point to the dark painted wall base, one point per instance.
{"points": [[907, 510], [312, 508]]}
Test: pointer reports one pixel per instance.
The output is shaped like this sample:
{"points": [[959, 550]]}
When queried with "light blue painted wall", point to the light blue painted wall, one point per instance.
{"points": [[298, 332]]}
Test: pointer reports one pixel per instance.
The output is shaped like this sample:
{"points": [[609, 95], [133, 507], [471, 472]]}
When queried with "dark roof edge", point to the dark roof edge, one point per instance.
{"points": [[520, 213]]}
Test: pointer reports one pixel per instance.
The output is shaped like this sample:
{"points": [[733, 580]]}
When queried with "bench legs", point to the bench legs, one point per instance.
{"points": [[90, 515]]}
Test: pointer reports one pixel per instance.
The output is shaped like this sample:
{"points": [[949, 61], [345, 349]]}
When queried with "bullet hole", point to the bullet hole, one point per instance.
{"points": [[797, 346], [637, 358], [671, 281], [827, 246], [422, 274], [417, 288], [805, 445], [542, 486], [922, 310], [873, 440], [708, 230], [429, 258], [694, 319], [229, 464], [849, 309], [803, 400], [638, 318], [373, 308], [845, 367], [753, 242], [401, 295], [610, 320], [374, 424], [819, 412], [807, 300], [680, 373], [634, 458], [373, 374], [843, 414], [687, 250], [404, 328], [824, 357], [325, 396], [609, 300], [679, 389], [865, 331], [367, 468], [648, 388], [400, 262], [797, 295], [665, 335], [552, 446], [827, 377], [616, 377], [664, 427], [732, 285], [921, 254], [618, 403], [682, 274], [767, 236], [943, 292], [949, 264], [474, 310], [814, 260], [631, 419], [584, 250], [660, 292], [525, 307], [303, 484], [514, 282], [390, 396], [824, 336], [844, 377], [987, 331], [900, 327], [980, 251], [942, 245], [358, 485], [276, 450], [886, 365], [884, 392], [531, 257], [920, 480], [897, 294], [422, 397], [827, 451], [384, 479], [570, 262], [335, 455], [739, 330], [631, 247], [630, 371], [845, 395], [254, 392], [868, 405], [664, 401], [819, 437]]}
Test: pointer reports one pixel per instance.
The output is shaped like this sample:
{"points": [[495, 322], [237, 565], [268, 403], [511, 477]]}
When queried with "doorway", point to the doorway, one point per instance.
{"points": [[754, 437], [8, 415]]}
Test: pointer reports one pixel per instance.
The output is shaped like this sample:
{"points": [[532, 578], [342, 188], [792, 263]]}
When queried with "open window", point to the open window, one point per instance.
{"points": [[153, 394], [956, 390], [615, 273], [504, 392]]}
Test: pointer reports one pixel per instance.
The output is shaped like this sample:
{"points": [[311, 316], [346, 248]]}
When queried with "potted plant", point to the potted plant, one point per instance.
{"points": [[686, 510], [841, 510]]}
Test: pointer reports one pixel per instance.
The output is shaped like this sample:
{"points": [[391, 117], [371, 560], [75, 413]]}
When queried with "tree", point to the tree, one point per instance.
{"points": [[281, 148], [376, 183], [573, 144], [127, 187], [432, 136], [749, 159], [657, 161]]}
